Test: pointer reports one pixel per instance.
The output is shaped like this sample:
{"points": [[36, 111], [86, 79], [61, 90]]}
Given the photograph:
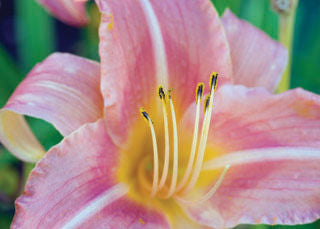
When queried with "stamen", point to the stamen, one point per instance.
{"points": [[187, 173], [175, 150], [211, 191], [193, 169], [155, 153], [165, 170], [204, 134]]}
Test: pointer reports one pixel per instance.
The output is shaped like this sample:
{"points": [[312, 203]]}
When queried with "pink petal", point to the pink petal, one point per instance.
{"points": [[269, 186], [274, 175], [145, 43], [246, 118], [75, 185], [72, 12], [257, 59], [259, 119], [63, 90]]}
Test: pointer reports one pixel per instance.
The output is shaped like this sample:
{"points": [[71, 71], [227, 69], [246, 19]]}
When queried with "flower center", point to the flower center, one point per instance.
{"points": [[159, 186]]}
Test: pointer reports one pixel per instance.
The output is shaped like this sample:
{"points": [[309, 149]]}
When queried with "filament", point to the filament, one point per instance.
{"points": [[204, 134], [155, 154], [175, 151], [166, 137], [187, 173]]}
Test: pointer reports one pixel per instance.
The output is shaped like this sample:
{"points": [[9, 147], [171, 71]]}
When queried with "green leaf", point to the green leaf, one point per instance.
{"points": [[270, 21], [5, 220], [90, 34], [233, 5], [253, 11], [9, 76], [35, 33], [9, 181], [306, 52], [6, 157], [45, 132]]}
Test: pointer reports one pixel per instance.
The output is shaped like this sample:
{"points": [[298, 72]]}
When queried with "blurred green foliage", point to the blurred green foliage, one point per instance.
{"points": [[35, 33], [36, 37], [10, 75]]}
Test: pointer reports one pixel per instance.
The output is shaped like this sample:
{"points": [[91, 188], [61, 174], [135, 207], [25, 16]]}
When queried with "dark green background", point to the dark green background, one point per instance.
{"points": [[28, 34]]}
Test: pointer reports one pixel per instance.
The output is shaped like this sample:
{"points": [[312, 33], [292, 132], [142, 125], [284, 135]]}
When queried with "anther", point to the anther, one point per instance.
{"points": [[144, 114], [206, 103], [213, 81], [169, 93], [162, 95], [199, 91]]}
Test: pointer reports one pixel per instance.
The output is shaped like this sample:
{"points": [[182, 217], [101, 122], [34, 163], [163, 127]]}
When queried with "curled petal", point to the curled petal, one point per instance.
{"points": [[75, 184], [145, 43], [270, 185], [72, 12], [63, 90], [257, 59]]}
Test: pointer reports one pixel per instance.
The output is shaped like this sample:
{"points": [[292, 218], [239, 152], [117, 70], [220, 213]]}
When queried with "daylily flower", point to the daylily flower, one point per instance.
{"points": [[160, 154]]}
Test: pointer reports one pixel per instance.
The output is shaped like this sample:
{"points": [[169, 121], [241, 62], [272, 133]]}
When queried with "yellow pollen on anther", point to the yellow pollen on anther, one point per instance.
{"points": [[199, 91], [155, 153], [213, 81], [206, 103]]}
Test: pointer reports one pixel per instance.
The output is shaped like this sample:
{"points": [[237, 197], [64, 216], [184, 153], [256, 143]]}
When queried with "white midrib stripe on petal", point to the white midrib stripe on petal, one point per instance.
{"points": [[71, 92], [104, 199], [157, 43], [263, 154]]}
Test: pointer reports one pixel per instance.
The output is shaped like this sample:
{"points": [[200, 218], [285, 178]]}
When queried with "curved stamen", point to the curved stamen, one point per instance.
{"points": [[204, 134], [211, 191], [155, 153], [166, 137], [199, 94], [175, 150]]}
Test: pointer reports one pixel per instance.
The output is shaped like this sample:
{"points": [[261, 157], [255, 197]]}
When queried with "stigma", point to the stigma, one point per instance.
{"points": [[165, 183]]}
